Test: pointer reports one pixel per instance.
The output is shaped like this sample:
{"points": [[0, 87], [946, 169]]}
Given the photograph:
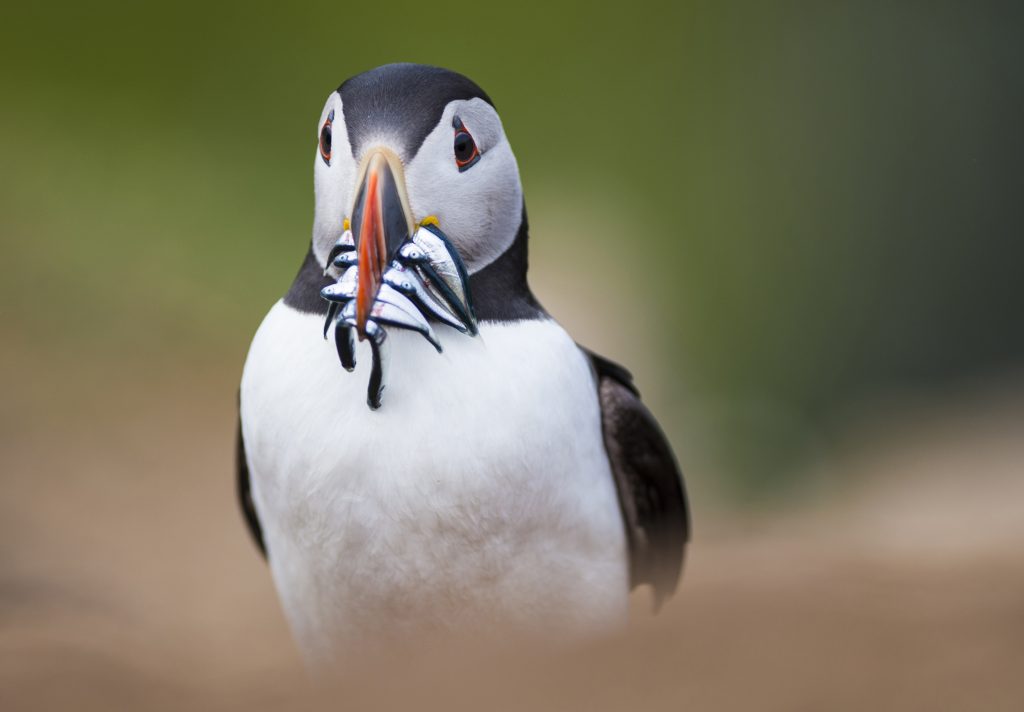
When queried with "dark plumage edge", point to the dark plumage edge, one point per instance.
{"points": [[244, 491], [650, 485]]}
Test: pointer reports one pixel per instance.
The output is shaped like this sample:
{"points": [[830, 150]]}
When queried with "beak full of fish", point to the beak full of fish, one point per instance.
{"points": [[425, 284]]}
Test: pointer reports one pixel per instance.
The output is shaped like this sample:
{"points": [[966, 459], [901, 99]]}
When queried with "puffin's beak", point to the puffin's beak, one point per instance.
{"points": [[381, 221]]}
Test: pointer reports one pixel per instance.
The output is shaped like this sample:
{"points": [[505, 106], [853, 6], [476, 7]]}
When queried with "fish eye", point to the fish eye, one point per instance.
{"points": [[466, 151], [325, 139]]}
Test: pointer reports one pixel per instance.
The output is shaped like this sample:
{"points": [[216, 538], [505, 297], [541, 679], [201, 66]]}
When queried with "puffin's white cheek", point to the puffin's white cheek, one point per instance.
{"points": [[480, 209], [489, 214], [332, 185], [437, 191]]}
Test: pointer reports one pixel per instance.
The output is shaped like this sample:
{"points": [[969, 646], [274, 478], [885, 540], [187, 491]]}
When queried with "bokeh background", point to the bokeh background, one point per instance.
{"points": [[799, 224]]}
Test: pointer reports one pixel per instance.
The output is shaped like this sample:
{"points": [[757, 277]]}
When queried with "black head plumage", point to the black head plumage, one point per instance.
{"points": [[404, 100]]}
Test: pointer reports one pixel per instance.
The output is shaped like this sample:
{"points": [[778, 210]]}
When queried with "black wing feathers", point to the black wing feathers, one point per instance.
{"points": [[650, 485], [244, 493]]}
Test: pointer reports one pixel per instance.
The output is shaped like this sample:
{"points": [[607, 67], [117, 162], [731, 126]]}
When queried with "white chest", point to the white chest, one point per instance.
{"points": [[479, 492]]}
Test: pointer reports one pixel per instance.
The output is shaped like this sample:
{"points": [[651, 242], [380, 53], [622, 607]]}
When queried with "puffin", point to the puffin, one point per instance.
{"points": [[421, 446]]}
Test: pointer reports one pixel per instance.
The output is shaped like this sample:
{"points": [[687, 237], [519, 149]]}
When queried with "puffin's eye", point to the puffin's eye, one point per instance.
{"points": [[325, 139], [466, 152]]}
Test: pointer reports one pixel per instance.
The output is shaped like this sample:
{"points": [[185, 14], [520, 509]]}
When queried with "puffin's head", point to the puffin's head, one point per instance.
{"points": [[419, 218], [424, 144]]}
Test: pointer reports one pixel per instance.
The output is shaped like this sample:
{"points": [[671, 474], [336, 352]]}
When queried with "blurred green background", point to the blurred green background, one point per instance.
{"points": [[799, 224], [778, 213]]}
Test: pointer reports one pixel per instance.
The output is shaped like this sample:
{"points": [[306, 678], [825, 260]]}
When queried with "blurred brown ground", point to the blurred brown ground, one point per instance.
{"points": [[771, 212], [127, 580]]}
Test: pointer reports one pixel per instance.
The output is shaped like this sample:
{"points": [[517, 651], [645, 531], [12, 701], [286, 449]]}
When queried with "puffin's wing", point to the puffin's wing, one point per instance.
{"points": [[651, 489], [244, 492]]}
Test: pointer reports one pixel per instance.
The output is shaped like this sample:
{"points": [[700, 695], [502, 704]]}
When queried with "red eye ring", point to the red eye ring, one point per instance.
{"points": [[325, 139], [465, 148]]}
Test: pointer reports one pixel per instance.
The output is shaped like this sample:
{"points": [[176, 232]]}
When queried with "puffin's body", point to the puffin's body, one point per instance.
{"points": [[513, 479]]}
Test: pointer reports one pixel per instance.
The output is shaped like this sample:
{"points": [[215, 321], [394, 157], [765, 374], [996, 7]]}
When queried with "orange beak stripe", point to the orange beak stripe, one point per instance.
{"points": [[372, 251]]}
